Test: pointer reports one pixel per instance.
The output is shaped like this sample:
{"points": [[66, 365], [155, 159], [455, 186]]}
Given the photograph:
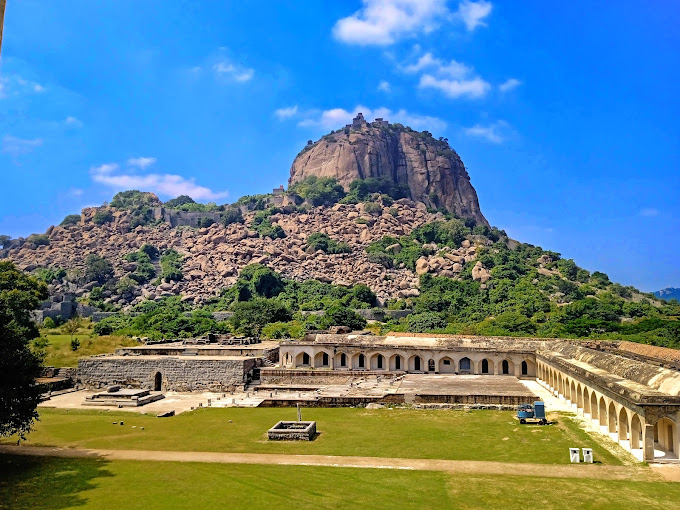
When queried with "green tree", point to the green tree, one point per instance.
{"points": [[71, 219], [97, 269], [19, 366], [251, 316], [102, 216], [72, 327], [342, 316]]}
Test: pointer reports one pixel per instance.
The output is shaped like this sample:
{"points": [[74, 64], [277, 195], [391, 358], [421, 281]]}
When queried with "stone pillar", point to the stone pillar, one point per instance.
{"points": [[495, 367], [647, 442]]}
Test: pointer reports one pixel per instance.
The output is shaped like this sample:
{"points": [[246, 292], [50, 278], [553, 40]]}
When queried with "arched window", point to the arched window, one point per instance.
{"points": [[464, 364], [305, 358], [485, 366], [380, 361], [324, 359], [430, 365], [343, 360], [525, 368], [506, 367], [362, 361]]}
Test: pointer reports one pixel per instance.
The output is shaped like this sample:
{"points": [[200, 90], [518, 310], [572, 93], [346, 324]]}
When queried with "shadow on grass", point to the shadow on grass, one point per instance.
{"points": [[48, 482]]}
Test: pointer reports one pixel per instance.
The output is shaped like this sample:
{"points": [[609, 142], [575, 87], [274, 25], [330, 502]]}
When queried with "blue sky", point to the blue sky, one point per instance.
{"points": [[565, 115]]}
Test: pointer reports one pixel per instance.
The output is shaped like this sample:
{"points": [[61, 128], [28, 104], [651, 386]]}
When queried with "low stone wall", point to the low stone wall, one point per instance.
{"points": [[321, 376], [177, 374], [506, 400], [337, 401]]}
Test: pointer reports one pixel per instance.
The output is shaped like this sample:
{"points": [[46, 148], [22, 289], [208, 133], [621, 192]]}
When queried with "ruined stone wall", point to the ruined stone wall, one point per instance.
{"points": [[178, 374]]}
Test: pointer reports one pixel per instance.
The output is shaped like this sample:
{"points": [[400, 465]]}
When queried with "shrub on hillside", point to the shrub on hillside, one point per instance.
{"points": [[71, 219], [342, 316], [97, 269], [319, 190], [171, 266], [102, 216], [320, 241]]}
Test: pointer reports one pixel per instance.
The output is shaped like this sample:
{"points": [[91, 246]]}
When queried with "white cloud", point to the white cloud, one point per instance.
{"points": [[15, 146], [76, 192], [472, 13], [472, 88], [336, 118], [237, 73], [494, 133], [383, 22], [384, 86], [14, 85], [167, 185], [73, 122], [509, 84], [141, 162], [286, 113], [453, 69], [649, 212]]}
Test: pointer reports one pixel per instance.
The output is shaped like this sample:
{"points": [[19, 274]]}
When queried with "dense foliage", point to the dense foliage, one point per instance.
{"points": [[319, 190], [319, 241], [19, 366], [71, 219], [97, 269], [171, 266]]}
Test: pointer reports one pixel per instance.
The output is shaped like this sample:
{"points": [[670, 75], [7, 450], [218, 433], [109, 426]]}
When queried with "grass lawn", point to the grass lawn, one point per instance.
{"points": [[408, 433], [53, 483], [59, 353]]}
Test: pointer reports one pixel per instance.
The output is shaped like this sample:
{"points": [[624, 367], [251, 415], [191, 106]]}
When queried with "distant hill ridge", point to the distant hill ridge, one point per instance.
{"points": [[668, 293]]}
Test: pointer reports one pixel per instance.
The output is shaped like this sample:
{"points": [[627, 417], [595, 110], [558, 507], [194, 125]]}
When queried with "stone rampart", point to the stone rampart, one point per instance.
{"points": [[176, 373]]}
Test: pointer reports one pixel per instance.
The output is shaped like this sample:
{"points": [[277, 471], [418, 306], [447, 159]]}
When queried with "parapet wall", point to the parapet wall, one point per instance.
{"points": [[177, 374], [656, 377]]}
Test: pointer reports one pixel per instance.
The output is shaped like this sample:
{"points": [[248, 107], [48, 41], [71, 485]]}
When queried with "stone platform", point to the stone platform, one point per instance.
{"points": [[116, 397]]}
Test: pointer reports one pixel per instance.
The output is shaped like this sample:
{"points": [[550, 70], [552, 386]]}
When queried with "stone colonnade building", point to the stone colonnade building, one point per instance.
{"points": [[632, 395]]}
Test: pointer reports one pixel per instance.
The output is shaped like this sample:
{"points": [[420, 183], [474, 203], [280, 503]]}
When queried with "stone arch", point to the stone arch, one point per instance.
{"points": [[593, 407], [378, 362], [572, 392], [303, 359], [636, 440], [667, 436], [158, 381], [623, 424], [342, 360], [585, 397], [579, 397], [602, 409], [416, 363], [447, 365], [322, 359], [465, 365], [528, 368], [507, 367], [431, 365], [359, 361], [611, 422], [397, 362], [486, 366]]}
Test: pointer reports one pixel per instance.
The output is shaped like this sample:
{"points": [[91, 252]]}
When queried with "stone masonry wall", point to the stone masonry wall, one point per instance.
{"points": [[178, 374]]}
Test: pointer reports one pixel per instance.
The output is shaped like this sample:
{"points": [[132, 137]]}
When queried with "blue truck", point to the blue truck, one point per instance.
{"points": [[528, 413]]}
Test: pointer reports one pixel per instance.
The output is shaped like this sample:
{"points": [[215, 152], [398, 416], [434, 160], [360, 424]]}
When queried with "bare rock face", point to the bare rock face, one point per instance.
{"points": [[433, 172]]}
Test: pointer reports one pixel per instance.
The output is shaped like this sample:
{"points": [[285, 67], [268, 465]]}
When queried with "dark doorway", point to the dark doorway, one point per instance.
{"points": [[397, 363], [506, 367], [430, 365], [362, 361], [343, 360], [525, 368], [416, 363], [324, 360], [485, 366], [305, 358], [380, 361], [157, 381]]}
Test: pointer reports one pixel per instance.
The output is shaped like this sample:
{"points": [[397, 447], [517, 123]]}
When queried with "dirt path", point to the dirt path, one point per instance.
{"points": [[638, 473]]}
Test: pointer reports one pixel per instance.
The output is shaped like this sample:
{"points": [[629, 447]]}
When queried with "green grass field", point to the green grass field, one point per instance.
{"points": [[408, 433], [53, 483], [59, 352]]}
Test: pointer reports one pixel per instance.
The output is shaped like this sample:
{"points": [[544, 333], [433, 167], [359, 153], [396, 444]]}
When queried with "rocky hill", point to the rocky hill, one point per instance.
{"points": [[668, 293], [432, 172]]}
